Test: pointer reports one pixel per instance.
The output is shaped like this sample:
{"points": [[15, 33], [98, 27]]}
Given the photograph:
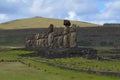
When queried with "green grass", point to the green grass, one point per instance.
{"points": [[107, 53], [84, 64], [38, 71], [18, 71], [12, 54]]}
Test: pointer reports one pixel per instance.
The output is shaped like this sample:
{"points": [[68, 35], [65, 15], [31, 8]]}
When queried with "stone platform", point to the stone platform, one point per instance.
{"points": [[88, 53]]}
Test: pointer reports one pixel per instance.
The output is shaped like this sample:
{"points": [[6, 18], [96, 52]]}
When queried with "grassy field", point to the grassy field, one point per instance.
{"points": [[18, 71], [33, 68], [85, 64], [39, 22]]}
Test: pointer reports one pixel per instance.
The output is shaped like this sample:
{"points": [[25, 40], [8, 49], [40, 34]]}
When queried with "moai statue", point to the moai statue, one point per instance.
{"points": [[32, 42], [42, 40], [50, 36], [60, 39], [50, 28], [46, 40], [27, 42], [39, 40], [36, 36], [55, 41], [66, 41], [36, 39], [73, 36]]}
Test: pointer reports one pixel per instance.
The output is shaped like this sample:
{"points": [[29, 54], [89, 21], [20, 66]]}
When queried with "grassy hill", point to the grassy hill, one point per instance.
{"points": [[39, 22]]}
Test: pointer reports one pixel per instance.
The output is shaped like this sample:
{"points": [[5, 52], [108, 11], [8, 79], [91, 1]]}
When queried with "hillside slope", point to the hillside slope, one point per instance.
{"points": [[39, 22]]}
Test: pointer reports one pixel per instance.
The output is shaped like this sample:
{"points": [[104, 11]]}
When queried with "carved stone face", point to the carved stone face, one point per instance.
{"points": [[50, 28]]}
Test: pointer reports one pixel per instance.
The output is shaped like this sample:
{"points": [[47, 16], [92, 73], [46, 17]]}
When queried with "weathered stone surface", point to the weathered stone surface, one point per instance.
{"points": [[88, 53], [60, 41], [57, 44], [50, 39], [50, 28], [66, 41], [73, 39], [73, 36]]}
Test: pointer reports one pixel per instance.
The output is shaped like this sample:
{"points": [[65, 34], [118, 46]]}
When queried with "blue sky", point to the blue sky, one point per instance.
{"points": [[94, 11]]}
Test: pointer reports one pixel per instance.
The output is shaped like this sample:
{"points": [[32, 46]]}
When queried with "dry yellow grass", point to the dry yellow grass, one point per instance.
{"points": [[39, 22]]}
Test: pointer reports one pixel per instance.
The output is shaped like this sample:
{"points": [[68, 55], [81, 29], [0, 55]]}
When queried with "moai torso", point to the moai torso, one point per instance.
{"points": [[66, 37], [37, 36], [50, 39], [55, 42], [50, 36], [46, 40], [60, 40], [73, 36], [32, 42], [36, 39], [39, 40], [43, 40]]}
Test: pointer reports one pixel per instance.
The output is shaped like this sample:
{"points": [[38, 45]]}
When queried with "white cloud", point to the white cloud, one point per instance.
{"points": [[110, 14], [112, 10], [35, 6], [71, 9], [38, 8], [11, 0], [98, 11], [71, 15], [3, 16]]}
